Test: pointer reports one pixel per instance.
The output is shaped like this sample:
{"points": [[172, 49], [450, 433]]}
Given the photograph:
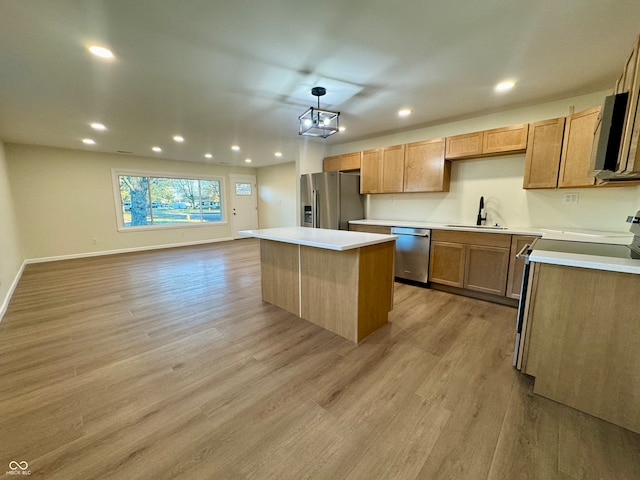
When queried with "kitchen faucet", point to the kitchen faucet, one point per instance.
{"points": [[481, 219]]}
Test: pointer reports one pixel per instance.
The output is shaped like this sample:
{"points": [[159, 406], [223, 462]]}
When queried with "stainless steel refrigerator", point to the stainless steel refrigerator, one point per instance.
{"points": [[330, 200]]}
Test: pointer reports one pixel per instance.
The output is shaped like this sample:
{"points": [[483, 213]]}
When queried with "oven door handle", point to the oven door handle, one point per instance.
{"points": [[521, 254]]}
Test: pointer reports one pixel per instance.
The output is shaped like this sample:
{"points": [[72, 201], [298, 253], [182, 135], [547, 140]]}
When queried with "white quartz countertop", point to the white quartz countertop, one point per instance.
{"points": [[612, 264], [320, 237], [625, 265], [449, 226], [576, 234]]}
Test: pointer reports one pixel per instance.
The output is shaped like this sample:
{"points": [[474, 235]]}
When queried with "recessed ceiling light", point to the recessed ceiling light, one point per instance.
{"points": [[278, 154], [88, 141], [405, 112], [208, 155], [342, 128], [247, 160], [101, 52], [178, 138], [156, 149], [98, 126], [504, 86], [235, 148]]}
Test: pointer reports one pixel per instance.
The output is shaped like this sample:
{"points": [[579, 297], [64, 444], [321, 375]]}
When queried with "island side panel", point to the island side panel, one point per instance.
{"points": [[279, 264], [375, 299], [584, 347], [329, 289]]}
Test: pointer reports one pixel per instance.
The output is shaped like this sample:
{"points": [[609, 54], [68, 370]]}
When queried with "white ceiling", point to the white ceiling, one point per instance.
{"points": [[229, 72]]}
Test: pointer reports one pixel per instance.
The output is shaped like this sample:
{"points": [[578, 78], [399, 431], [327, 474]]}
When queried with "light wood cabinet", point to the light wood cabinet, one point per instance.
{"points": [[475, 261], [446, 262], [382, 170], [340, 163], [357, 227], [581, 340], [505, 140], [486, 269], [348, 292], [544, 149], [516, 266], [466, 145], [575, 163], [498, 141], [371, 172], [629, 160], [425, 169], [392, 169]]}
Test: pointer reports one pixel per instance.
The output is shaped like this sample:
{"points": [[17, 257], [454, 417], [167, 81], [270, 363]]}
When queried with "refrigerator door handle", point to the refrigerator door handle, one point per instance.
{"points": [[316, 221]]}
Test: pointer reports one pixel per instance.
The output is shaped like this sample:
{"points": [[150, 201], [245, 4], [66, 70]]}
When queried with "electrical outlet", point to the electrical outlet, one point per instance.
{"points": [[94, 241], [570, 198]]}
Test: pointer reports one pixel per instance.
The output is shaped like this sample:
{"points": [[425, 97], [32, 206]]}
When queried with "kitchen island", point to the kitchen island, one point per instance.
{"points": [[339, 280], [580, 334]]}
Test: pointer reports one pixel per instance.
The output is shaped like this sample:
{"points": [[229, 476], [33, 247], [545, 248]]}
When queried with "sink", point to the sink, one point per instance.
{"points": [[483, 227]]}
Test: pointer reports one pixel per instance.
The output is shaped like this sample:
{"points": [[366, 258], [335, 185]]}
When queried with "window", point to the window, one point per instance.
{"points": [[154, 200], [243, 189]]}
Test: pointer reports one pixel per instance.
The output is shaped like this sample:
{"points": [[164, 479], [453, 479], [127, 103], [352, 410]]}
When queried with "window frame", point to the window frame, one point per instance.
{"points": [[116, 173]]}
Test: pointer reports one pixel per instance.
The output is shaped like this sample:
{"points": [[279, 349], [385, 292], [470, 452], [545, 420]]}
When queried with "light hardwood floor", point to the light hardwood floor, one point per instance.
{"points": [[167, 364]]}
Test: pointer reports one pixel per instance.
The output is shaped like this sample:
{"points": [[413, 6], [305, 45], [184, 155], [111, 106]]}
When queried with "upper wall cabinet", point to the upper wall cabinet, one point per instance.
{"points": [[629, 161], [498, 141], [462, 146], [382, 170], [575, 164], [371, 172], [339, 163], [392, 169], [559, 151], [425, 169], [544, 149]]}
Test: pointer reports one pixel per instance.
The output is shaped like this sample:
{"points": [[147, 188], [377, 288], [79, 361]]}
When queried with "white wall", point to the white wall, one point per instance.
{"points": [[499, 180], [277, 195], [11, 257], [66, 199]]}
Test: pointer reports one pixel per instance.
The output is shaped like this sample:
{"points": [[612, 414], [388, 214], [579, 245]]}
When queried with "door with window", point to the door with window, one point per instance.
{"points": [[244, 203]]}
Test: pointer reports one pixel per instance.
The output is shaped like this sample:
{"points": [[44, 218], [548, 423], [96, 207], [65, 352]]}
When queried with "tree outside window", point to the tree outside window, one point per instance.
{"points": [[151, 200]]}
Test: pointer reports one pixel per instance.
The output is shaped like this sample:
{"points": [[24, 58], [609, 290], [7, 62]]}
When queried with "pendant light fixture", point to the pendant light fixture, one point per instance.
{"points": [[316, 122]]}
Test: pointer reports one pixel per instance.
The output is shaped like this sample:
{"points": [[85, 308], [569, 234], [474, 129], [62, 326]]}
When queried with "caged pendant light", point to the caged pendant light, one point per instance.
{"points": [[316, 122]]}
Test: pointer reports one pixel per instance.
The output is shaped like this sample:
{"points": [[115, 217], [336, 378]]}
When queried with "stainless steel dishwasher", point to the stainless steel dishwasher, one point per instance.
{"points": [[412, 253]]}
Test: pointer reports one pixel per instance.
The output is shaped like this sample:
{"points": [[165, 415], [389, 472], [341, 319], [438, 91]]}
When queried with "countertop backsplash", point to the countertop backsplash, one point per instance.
{"points": [[499, 181]]}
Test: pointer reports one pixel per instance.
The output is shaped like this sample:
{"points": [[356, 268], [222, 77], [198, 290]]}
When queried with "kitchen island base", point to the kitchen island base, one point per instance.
{"points": [[348, 292], [582, 340]]}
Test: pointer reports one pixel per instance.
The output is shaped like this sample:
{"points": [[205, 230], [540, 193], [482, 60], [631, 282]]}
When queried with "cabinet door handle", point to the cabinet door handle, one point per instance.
{"points": [[521, 253]]}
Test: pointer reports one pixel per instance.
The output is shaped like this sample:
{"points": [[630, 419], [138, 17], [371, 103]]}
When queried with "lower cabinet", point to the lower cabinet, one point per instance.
{"points": [[446, 262], [478, 261], [486, 269]]}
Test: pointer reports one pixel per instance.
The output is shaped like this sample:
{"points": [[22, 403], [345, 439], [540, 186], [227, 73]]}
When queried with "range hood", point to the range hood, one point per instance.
{"points": [[609, 164]]}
